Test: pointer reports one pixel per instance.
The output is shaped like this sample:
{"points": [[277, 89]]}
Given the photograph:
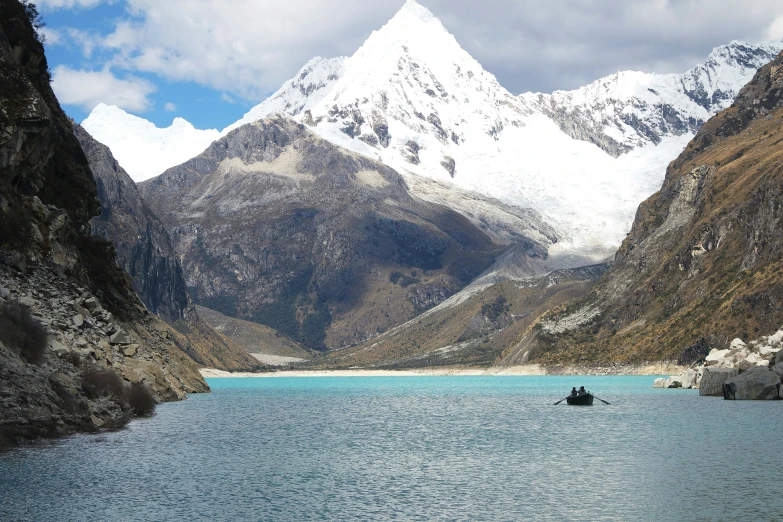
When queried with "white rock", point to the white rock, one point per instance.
{"points": [[715, 356], [78, 320], [689, 379], [659, 383], [737, 343], [713, 379], [675, 381]]}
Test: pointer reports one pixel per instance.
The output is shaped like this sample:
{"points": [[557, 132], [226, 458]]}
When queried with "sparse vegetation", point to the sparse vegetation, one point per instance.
{"points": [[99, 382], [496, 308], [32, 14], [398, 278], [140, 399], [22, 333]]}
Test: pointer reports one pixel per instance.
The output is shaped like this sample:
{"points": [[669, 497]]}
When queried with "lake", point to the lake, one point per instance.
{"points": [[413, 448]]}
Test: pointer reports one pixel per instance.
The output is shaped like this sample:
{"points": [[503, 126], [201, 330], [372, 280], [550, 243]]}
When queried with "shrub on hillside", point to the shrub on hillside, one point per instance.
{"points": [[99, 382], [140, 399], [22, 333]]}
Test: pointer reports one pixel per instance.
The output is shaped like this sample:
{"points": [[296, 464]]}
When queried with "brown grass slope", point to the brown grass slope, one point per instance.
{"points": [[253, 337], [702, 263], [473, 332]]}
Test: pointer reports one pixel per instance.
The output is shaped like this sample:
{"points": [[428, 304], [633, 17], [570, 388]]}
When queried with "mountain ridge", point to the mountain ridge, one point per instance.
{"points": [[413, 98]]}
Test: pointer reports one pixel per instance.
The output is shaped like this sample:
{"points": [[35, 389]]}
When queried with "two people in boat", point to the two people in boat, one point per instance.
{"points": [[581, 391]]}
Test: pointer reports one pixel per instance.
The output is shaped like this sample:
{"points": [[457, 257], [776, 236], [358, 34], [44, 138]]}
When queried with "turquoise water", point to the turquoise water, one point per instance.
{"points": [[413, 448]]}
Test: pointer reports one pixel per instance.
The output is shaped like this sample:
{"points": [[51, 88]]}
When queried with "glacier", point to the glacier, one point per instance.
{"points": [[411, 97]]}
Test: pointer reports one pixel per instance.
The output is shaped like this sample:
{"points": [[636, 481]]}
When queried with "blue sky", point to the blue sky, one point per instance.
{"points": [[203, 106], [209, 61]]}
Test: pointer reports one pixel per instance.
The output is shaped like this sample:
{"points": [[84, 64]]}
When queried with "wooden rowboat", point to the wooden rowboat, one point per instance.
{"points": [[580, 400]]}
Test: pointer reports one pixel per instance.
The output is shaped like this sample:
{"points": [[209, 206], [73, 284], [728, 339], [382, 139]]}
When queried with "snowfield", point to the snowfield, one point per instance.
{"points": [[413, 98]]}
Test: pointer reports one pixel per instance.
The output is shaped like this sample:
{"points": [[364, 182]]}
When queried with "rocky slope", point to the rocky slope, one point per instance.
{"points": [[702, 261], [77, 347], [145, 251], [277, 225], [473, 327], [263, 343]]}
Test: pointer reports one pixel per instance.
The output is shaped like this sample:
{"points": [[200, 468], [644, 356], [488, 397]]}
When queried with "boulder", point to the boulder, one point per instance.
{"points": [[779, 357], [79, 309], [58, 348], [689, 379], [755, 384], [130, 350], [77, 320], [736, 344], [659, 383], [675, 381], [713, 378], [91, 304], [119, 337], [775, 339], [715, 356], [768, 352], [778, 369], [5, 293]]}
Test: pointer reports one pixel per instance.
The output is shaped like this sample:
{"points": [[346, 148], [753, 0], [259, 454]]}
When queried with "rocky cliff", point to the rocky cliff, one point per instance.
{"points": [[145, 251], [277, 225], [701, 264], [78, 350]]}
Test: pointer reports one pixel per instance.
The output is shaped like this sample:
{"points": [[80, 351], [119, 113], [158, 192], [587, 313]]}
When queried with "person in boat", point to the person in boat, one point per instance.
{"points": [[582, 391], [573, 391]]}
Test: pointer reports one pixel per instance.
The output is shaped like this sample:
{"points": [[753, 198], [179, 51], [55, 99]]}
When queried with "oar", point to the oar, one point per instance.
{"points": [[601, 400], [561, 400]]}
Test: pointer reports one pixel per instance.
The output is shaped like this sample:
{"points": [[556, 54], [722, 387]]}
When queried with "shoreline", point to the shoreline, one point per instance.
{"points": [[521, 370]]}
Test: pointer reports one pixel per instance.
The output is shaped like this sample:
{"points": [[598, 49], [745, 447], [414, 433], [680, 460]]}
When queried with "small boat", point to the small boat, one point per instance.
{"points": [[580, 400]]}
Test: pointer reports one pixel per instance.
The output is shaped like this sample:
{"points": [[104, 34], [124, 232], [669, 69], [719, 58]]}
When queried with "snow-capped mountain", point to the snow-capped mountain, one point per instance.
{"points": [[143, 149], [413, 98], [632, 109]]}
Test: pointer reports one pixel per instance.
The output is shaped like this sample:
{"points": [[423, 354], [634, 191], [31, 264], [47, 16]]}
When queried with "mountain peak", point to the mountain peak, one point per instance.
{"points": [[414, 9]]}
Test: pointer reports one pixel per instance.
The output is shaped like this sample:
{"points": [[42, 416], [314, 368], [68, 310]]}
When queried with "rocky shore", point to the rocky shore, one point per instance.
{"points": [[752, 371], [56, 395]]}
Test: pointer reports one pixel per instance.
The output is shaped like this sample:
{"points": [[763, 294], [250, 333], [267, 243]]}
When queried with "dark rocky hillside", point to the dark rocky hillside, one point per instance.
{"points": [[702, 264], [78, 350], [278, 226], [144, 250]]}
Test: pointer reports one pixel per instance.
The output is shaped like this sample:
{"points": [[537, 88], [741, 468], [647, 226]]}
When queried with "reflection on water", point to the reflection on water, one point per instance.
{"points": [[413, 448]]}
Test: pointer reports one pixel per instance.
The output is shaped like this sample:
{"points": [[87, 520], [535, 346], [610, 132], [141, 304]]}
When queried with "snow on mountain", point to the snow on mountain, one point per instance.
{"points": [[632, 109], [143, 149], [413, 98]]}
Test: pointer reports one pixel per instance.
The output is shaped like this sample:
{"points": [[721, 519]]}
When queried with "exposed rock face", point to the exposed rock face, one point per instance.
{"points": [[279, 226], [702, 260], [713, 378], [145, 251], [758, 383], [141, 240], [67, 279]]}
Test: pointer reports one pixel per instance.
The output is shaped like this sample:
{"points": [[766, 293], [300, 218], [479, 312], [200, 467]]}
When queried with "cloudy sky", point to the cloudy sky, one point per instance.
{"points": [[209, 61]]}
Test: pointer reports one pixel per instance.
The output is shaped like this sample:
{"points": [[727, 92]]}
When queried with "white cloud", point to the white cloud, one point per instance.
{"points": [[69, 4], [248, 48], [51, 36], [87, 40], [775, 29], [89, 88], [170, 107]]}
